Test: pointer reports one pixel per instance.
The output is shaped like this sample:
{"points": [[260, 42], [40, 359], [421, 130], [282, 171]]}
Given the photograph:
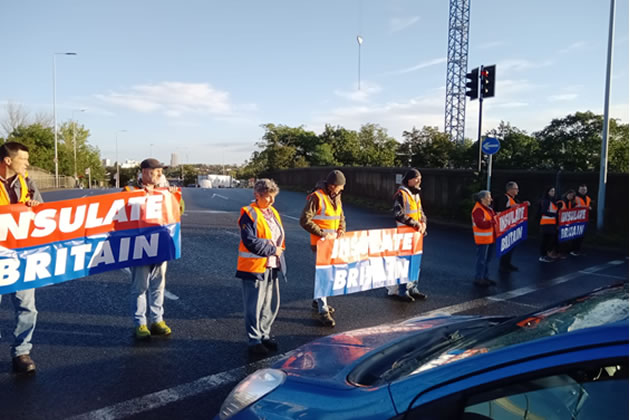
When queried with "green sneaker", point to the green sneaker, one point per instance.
{"points": [[142, 332], [160, 328]]}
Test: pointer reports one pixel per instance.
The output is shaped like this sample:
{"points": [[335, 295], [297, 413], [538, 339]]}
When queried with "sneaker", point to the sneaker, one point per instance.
{"points": [[258, 350], [315, 306], [545, 259], [326, 320], [575, 253], [23, 364], [271, 345], [417, 294], [142, 332], [160, 328]]}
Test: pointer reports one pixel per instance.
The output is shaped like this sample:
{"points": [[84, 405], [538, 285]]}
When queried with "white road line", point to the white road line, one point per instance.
{"points": [[229, 232], [220, 196], [208, 211], [166, 396], [170, 295], [208, 383], [290, 217], [608, 276]]}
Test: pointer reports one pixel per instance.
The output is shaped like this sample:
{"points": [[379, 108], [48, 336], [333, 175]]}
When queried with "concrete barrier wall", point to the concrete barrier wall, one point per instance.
{"points": [[447, 193], [46, 181]]}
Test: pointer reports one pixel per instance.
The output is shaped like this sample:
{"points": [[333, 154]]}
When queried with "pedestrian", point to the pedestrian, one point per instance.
{"points": [[149, 281], [408, 212], [548, 211], [566, 202], [260, 260], [483, 225], [323, 218], [509, 201], [581, 200], [17, 187]]}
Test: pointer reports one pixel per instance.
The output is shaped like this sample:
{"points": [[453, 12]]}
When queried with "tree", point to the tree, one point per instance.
{"points": [[376, 147], [428, 148], [518, 149], [344, 144], [41, 143]]}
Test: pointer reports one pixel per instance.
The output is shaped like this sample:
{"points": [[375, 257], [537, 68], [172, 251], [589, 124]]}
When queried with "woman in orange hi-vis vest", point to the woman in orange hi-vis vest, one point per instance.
{"points": [[483, 225], [548, 211], [260, 260]]}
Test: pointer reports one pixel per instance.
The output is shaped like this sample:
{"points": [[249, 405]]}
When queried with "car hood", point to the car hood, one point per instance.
{"points": [[331, 358]]}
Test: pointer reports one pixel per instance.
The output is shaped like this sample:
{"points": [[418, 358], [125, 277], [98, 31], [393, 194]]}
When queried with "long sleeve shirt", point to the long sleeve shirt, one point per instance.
{"points": [[401, 216], [311, 208], [478, 218]]}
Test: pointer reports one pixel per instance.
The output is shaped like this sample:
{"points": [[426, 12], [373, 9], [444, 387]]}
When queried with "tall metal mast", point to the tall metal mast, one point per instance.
{"points": [[455, 110]]}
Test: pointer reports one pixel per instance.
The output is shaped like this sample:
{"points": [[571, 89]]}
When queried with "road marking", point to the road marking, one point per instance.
{"points": [[207, 211], [170, 295], [220, 196], [290, 217], [166, 396], [231, 233], [211, 382]]}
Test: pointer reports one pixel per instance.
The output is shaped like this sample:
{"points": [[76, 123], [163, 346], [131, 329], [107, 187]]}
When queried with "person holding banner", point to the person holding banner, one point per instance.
{"points": [[408, 212], [17, 187], [581, 200], [323, 218], [260, 260], [149, 280], [548, 211], [483, 225], [509, 201], [565, 203]]}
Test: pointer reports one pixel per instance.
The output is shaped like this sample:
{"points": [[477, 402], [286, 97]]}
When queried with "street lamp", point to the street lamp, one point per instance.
{"points": [[359, 41], [55, 110], [74, 142], [117, 165]]}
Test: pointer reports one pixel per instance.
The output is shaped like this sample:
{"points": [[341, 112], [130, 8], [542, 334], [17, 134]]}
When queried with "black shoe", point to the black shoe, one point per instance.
{"points": [[258, 350], [512, 267], [271, 345], [316, 307], [415, 293], [326, 320], [23, 364], [492, 282], [482, 283], [403, 298]]}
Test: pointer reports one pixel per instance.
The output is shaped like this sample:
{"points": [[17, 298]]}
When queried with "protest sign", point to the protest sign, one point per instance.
{"points": [[572, 223], [367, 259], [511, 228], [64, 240]]}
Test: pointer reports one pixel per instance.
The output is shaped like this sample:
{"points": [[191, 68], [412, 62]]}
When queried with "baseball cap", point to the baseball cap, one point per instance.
{"points": [[151, 164]]}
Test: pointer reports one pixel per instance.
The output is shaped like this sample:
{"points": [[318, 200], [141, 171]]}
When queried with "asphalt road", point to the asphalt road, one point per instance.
{"points": [[90, 366]]}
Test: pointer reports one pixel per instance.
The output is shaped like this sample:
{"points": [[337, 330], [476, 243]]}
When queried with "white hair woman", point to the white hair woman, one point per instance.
{"points": [[483, 225], [260, 260]]}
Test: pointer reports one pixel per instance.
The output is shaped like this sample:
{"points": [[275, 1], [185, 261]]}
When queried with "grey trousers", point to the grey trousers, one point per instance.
{"points": [[257, 300]]}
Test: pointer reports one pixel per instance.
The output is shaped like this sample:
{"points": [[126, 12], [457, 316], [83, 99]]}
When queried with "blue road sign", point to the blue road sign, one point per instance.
{"points": [[490, 145]]}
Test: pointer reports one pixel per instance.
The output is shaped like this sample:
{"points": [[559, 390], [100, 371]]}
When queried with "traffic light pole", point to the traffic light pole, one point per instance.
{"points": [[479, 135]]}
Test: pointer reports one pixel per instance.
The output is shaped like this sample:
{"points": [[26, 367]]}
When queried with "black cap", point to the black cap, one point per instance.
{"points": [[411, 174], [336, 177], [151, 164]]}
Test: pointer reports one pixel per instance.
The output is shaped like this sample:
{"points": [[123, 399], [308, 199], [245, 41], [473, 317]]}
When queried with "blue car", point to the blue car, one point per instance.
{"points": [[569, 361]]}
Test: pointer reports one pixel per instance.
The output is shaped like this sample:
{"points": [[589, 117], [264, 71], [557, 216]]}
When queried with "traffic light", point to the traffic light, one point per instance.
{"points": [[487, 81], [472, 87]]}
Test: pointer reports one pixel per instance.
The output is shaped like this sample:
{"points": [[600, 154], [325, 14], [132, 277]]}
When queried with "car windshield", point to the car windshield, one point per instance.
{"points": [[605, 306]]}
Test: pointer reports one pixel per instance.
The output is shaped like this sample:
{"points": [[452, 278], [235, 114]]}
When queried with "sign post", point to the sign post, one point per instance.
{"points": [[490, 145], [88, 172]]}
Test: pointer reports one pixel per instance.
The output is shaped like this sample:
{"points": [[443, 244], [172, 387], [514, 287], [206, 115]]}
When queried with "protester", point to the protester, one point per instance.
{"points": [[548, 211], [148, 281], [260, 260], [483, 225], [581, 200], [408, 212], [17, 187], [510, 200], [566, 202], [323, 218]]}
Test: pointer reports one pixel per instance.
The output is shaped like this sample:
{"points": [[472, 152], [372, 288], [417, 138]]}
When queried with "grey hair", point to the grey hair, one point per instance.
{"points": [[510, 185], [266, 186], [481, 194]]}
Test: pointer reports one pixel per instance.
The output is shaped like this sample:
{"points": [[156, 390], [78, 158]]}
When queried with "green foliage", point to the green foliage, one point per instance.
{"points": [[41, 143], [518, 149]]}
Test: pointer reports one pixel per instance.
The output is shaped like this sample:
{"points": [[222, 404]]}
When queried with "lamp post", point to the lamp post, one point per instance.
{"points": [[74, 141], [359, 41], [55, 111], [117, 165]]}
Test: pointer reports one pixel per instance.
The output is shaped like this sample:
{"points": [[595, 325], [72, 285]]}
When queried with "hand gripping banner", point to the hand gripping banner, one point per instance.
{"points": [[511, 228], [367, 259], [65, 240], [572, 223]]}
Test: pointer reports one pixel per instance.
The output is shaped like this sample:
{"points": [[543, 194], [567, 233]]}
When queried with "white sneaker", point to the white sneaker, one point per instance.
{"points": [[545, 259]]}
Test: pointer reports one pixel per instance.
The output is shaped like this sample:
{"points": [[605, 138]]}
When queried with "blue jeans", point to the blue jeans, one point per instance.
{"points": [[148, 280], [26, 316], [484, 255], [257, 297]]}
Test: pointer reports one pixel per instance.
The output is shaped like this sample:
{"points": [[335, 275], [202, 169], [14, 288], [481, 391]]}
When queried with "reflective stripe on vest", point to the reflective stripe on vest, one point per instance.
{"points": [[248, 261], [582, 203], [5, 200], [412, 207], [482, 236], [549, 220], [328, 217]]}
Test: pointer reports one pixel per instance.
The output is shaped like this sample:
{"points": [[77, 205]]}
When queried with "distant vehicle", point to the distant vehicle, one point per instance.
{"points": [[214, 181], [569, 361]]}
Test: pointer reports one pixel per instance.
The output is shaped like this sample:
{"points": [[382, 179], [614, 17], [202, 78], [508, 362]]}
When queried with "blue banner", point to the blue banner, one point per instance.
{"points": [[507, 241], [571, 231]]}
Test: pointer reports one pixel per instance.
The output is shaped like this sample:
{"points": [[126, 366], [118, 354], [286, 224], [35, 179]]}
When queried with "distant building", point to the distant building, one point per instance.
{"points": [[215, 181], [174, 159], [130, 163], [107, 162]]}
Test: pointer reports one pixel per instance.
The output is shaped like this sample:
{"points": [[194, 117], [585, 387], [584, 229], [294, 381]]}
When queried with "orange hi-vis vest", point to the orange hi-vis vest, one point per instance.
{"points": [[5, 200], [549, 220], [482, 236], [413, 206], [511, 201], [328, 217], [582, 203], [248, 261]]}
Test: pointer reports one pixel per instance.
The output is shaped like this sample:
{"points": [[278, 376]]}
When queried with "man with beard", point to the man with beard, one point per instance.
{"points": [[323, 218]]}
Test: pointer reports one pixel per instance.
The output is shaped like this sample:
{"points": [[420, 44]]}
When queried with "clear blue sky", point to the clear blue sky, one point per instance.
{"points": [[199, 77]]}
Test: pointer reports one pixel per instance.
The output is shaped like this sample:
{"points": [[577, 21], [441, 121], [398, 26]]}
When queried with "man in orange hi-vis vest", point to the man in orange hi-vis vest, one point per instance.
{"points": [[16, 187], [507, 201], [323, 218], [581, 200]]}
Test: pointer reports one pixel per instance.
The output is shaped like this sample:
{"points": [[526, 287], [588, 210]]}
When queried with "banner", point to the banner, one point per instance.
{"points": [[65, 240], [367, 259], [572, 223], [511, 228]]}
